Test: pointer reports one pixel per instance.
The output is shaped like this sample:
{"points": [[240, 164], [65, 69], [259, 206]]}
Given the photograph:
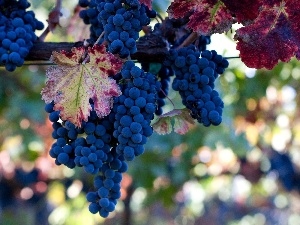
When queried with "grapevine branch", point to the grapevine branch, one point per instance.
{"points": [[41, 51], [189, 40]]}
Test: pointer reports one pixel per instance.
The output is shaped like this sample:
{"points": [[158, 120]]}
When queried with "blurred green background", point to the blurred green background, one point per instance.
{"points": [[243, 172]]}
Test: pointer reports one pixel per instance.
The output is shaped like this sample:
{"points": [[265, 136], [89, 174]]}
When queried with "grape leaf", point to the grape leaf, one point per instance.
{"points": [[245, 11], [208, 16], [163, 125], [274, 35], [182, 122], [82, 75], [147, 3]]}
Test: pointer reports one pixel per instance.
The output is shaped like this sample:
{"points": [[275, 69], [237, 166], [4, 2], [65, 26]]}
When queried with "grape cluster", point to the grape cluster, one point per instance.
{"points": [[131, 115], [122, 21], [103, 145], [134, 110], [17, 27], [90, 16], [92, 147], [195, 77]]}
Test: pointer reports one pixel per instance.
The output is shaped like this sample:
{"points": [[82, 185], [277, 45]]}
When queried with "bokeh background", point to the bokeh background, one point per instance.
{"points": [[243, 172]]}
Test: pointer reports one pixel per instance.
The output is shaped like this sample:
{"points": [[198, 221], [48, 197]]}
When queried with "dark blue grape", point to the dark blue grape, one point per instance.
{"points": [[195, 82], [122, 21], [18, 27]]}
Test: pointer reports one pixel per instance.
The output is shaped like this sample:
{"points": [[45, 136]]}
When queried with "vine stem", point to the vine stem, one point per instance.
{"points": [[232, 57], [44, 34], [189, 40], [168, 98], [53, 20], [42, 51], [48, 63], [99, 38]]}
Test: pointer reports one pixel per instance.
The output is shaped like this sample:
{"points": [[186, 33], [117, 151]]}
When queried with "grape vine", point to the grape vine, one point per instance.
{"points": [[102, 145], [103, 106]]}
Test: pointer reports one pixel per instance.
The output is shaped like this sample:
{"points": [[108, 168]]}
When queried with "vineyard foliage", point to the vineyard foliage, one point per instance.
{"points": [[270, 32]]}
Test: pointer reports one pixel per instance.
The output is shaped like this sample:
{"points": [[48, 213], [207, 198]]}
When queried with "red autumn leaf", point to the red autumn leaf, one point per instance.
{"points": [[274, 35], [208, 16], [245, 11], [79, 76], [147, 3]]}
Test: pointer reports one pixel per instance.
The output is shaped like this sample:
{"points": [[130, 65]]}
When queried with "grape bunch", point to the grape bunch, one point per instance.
{"points": [[134, 110], [165, 72], [122, 21], [103, 145], [92, 147], [17, 27], [195, 77]]}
